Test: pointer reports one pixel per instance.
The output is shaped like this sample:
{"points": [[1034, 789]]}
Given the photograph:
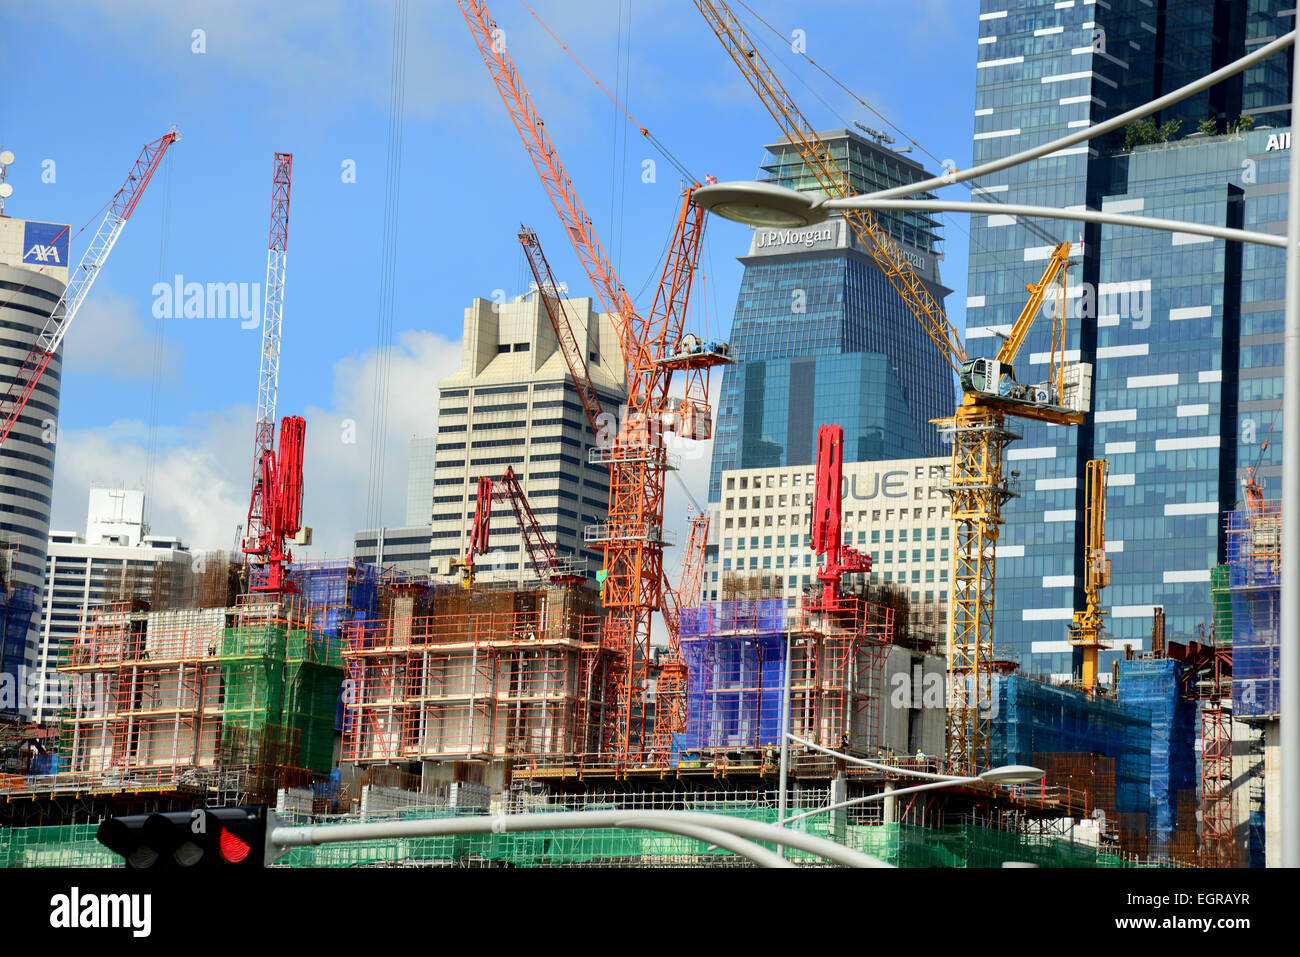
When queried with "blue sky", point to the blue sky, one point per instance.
{"points": [[98, 78]]}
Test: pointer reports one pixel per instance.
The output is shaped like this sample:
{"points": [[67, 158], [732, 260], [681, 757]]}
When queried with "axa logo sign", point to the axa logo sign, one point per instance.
{"points": [[45, 244]]}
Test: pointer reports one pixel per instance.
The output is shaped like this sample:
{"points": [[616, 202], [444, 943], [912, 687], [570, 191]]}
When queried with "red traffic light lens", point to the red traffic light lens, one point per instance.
{"points": [[233, 850]]}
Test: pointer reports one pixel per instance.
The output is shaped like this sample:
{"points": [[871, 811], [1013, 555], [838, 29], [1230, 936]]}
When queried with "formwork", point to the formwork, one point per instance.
{"points": [[1038, 718], [481, 674], [735, 654], [1254, 546], [1154, 685]]}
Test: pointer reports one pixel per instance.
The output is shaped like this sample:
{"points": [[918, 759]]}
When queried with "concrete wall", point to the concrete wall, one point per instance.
{"points": [[912, 711]]}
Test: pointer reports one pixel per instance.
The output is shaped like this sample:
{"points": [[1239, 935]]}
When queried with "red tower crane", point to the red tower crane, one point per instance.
{"points": [[653, 348], [80, 280]]}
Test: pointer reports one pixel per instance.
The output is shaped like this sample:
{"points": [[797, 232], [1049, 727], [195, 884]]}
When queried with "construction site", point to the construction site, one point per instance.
{"points": [[337, 691]]}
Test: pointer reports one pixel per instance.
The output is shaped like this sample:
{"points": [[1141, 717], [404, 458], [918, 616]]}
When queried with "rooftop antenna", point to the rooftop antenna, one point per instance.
{"points": [[6, 190]]}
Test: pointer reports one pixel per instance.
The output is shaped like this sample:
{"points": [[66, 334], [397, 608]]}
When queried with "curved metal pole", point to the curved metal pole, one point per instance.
{"points": [[1050, 212], [950, 778], [1289, 620], [882, 795], [285, 837], [1182, 93], [717, 837]]}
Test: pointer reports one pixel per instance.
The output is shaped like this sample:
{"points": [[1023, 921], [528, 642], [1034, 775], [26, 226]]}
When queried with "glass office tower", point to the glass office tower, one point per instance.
{"points": [[820, 336], [1162, 318]]}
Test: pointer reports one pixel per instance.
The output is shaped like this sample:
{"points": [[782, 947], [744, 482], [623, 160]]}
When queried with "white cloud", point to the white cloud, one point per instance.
{"points": [[114, 336], [204, 466]]}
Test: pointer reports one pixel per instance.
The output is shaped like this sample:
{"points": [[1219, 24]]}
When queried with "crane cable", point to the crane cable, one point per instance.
{"points": [[387, 271], [654, 141], [1033, 227], [155, 389]]}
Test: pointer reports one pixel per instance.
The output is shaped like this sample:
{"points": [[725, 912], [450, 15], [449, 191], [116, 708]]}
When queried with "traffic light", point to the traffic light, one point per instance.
{"points": [[204, 837]]}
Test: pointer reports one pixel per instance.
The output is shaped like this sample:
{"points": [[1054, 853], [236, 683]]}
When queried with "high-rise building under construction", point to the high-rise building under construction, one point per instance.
{"points": [[820, 336]]}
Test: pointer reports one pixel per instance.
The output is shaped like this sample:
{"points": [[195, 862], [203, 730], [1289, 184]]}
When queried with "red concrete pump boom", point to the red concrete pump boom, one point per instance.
{"points": [[827, 521]]}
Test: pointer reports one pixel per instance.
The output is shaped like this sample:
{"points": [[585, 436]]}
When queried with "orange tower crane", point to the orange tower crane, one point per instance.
{"points": [[979, 488], [670, 695], [653, 349]]}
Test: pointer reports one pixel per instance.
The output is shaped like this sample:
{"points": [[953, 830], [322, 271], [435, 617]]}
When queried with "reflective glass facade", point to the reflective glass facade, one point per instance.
{"points": [[1162, 318], [820, 336]]}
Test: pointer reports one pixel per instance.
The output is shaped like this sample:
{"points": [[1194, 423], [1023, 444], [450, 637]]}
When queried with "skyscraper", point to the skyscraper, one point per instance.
{"points": [[513, 405], [820, 336], [33, 273], [1161, 317]]}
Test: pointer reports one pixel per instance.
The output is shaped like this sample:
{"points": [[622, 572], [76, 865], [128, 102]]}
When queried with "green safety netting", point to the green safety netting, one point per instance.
{"points": [[899, 844]]}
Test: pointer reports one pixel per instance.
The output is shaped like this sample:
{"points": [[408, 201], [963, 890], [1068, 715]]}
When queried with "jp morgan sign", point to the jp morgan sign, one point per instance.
{"points": [[822, 236]]}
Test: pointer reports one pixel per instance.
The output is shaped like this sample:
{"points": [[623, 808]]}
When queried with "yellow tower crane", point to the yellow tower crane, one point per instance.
{"points": [[979, 435], [1086, 630]]}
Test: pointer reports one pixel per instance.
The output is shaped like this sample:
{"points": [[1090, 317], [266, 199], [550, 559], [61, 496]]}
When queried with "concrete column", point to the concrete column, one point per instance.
{"points": [[840, 818]]}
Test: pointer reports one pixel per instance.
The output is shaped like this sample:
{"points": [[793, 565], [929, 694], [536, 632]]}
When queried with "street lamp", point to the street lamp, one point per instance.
{"points": [[761, 204], [1006, 775], [766, 204]]}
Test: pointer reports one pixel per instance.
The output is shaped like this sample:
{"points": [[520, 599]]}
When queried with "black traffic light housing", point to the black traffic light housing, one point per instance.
{"points": [[221, 837]]}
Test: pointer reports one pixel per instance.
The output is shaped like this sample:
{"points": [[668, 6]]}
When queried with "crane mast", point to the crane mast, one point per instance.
{"points": [[978, 487], [670, 690], [1087, 627], [633, 537], [80, 280], [268, 379]]}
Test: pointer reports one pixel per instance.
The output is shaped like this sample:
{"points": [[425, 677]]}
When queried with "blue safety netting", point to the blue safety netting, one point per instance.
{"points": [[1034, 717], [1254, 586], [338, 593], [1155, 685], [16, 607], [735, 659]]}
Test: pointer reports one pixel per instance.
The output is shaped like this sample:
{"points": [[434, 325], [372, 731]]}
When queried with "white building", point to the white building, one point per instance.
{"points": [[513, 405], [85, 570], [895, 511]]}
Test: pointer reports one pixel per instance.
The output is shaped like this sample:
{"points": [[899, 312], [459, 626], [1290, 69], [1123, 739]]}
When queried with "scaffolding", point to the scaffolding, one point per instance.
{"points": [[482, 675], [1254, 542], [159, 696], [735, 654]]}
